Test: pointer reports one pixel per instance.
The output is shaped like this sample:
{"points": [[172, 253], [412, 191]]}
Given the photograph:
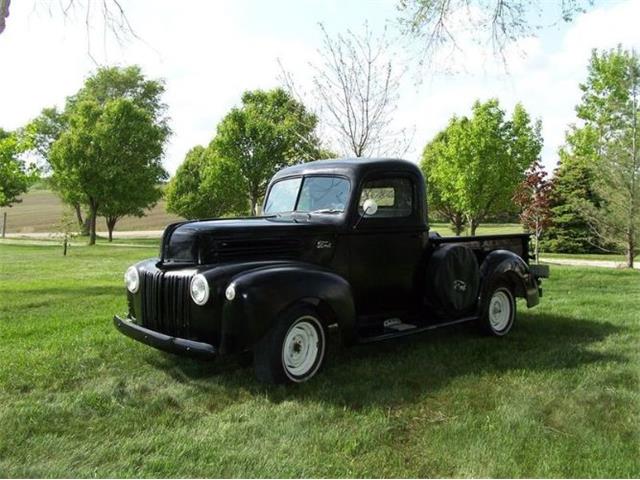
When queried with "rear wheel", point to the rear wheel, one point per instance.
{"points": [[294, 349], [499, 311]]}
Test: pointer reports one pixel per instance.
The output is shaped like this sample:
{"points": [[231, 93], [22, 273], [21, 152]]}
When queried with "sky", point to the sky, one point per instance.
{"points": [[209, 52]]}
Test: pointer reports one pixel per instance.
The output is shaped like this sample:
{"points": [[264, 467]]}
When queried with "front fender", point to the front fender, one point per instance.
{"points": [[513, 269], [263, 293]]}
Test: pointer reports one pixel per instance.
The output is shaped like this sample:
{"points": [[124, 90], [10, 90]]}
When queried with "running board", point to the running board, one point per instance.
{"points": [[396, 325], [411, 331]]}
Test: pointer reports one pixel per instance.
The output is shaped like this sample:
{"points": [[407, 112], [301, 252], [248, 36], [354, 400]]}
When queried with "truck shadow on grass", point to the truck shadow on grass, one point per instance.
{"points": [[390, 373]]}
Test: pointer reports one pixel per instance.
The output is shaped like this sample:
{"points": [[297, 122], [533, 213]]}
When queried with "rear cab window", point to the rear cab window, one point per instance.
{"points": [[394, 197]]}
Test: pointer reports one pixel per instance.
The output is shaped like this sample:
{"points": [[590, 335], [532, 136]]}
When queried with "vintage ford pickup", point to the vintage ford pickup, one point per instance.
{"points": [[342, 244]]}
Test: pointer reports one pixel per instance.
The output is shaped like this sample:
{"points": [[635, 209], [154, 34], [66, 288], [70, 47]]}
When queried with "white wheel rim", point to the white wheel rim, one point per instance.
{"points": [[302, 347], [499, 311]]}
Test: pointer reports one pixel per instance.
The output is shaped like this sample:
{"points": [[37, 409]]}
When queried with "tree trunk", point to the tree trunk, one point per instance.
{"points": [[458, 224], [473, 225], [536, 247], [78, 209], [253, 198], [631, 247], [111, 224], [92, 224]]}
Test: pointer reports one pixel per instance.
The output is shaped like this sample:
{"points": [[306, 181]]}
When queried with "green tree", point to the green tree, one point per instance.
{"points": [[206, 186], [132, 148], [610, 107], [15, 176], [474, 165], [437, 200], [108, 156], [39, 135], [573, 182], [269, 131]]}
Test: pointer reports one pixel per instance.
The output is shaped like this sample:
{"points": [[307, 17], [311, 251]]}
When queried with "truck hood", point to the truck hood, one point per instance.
{"points": [[236, 239]]}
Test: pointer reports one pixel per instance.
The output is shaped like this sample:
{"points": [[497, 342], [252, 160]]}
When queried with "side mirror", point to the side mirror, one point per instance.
{"points": [[369, 207]]}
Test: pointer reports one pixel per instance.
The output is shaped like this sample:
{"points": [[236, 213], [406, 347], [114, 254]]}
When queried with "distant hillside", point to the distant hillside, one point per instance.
{"points": [[41, 211]]}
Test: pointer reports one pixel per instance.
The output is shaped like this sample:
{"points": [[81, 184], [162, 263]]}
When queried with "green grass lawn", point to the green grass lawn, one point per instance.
{"points": [[559, 397], [612, 257], [444, 229]]}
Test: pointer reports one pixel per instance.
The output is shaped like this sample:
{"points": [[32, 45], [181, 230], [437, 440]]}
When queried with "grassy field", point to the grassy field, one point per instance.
{"points": [[613, 257], [41, 211], [559, 397], [485, 229]]}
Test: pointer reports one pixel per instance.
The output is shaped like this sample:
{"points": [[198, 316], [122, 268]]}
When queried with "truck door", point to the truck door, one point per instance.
{"points": [[386, 247]]}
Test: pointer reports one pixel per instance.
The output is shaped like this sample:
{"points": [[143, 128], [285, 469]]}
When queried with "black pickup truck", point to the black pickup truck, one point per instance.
{"points": [[342, 244]]}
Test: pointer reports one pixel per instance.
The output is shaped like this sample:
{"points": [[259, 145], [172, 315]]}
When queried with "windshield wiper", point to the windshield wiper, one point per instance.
{"points": [[282, 214], [327, 210]]}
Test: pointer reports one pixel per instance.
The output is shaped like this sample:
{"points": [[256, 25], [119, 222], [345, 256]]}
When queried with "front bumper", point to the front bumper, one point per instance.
{"points": [[180, 346]]}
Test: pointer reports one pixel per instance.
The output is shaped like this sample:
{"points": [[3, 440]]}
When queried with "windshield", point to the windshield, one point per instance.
{"points": [[319, 194]]}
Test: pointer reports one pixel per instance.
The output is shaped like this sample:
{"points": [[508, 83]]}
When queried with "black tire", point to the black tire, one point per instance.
{"points": [[498, 310], [293, 350]]}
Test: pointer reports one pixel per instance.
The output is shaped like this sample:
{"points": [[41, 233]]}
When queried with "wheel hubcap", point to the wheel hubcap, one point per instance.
{"points": [[499, 311], [301, 347]]}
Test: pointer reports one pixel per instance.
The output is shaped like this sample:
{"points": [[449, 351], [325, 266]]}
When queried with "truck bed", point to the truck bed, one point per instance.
{"points": [[517, 243]]}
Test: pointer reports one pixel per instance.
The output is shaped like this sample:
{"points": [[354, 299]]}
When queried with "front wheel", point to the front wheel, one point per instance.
{"points": [[294, 349], [499, 311]]}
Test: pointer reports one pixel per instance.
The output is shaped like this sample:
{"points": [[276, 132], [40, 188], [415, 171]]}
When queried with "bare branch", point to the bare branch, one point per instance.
{"points": [[432, 26], [4, 13], [110, 15], [355, 86]]}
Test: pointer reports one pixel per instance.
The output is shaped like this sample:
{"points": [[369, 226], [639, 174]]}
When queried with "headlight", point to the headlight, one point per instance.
{"points": [[230, 292], [199, 289], [132, 279]]}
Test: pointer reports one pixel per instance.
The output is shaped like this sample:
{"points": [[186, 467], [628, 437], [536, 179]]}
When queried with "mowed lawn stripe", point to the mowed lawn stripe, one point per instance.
{"points": [[557, 397]]}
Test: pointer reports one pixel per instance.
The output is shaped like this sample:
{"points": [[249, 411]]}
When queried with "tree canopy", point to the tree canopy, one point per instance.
{"points": [[15, 175], [109, 155], [473, 167], [610, 110], [533, 198], [569, 231], [133, 146], [206, 186], [268, 132], [40, 135]]}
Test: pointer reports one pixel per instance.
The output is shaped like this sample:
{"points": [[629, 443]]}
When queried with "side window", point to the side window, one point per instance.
{"points": [[394, 197]]}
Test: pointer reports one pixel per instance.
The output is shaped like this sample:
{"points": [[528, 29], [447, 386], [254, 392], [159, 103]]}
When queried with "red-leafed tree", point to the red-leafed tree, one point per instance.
{"points": [[533, 197]]}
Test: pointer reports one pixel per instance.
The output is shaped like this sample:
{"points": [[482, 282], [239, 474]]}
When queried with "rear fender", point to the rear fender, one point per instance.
{"points": [[509, 267], [263, 293]]}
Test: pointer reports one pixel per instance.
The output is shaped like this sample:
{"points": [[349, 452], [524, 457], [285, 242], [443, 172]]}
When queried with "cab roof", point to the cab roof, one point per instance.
{"points": [[350, 167]]}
